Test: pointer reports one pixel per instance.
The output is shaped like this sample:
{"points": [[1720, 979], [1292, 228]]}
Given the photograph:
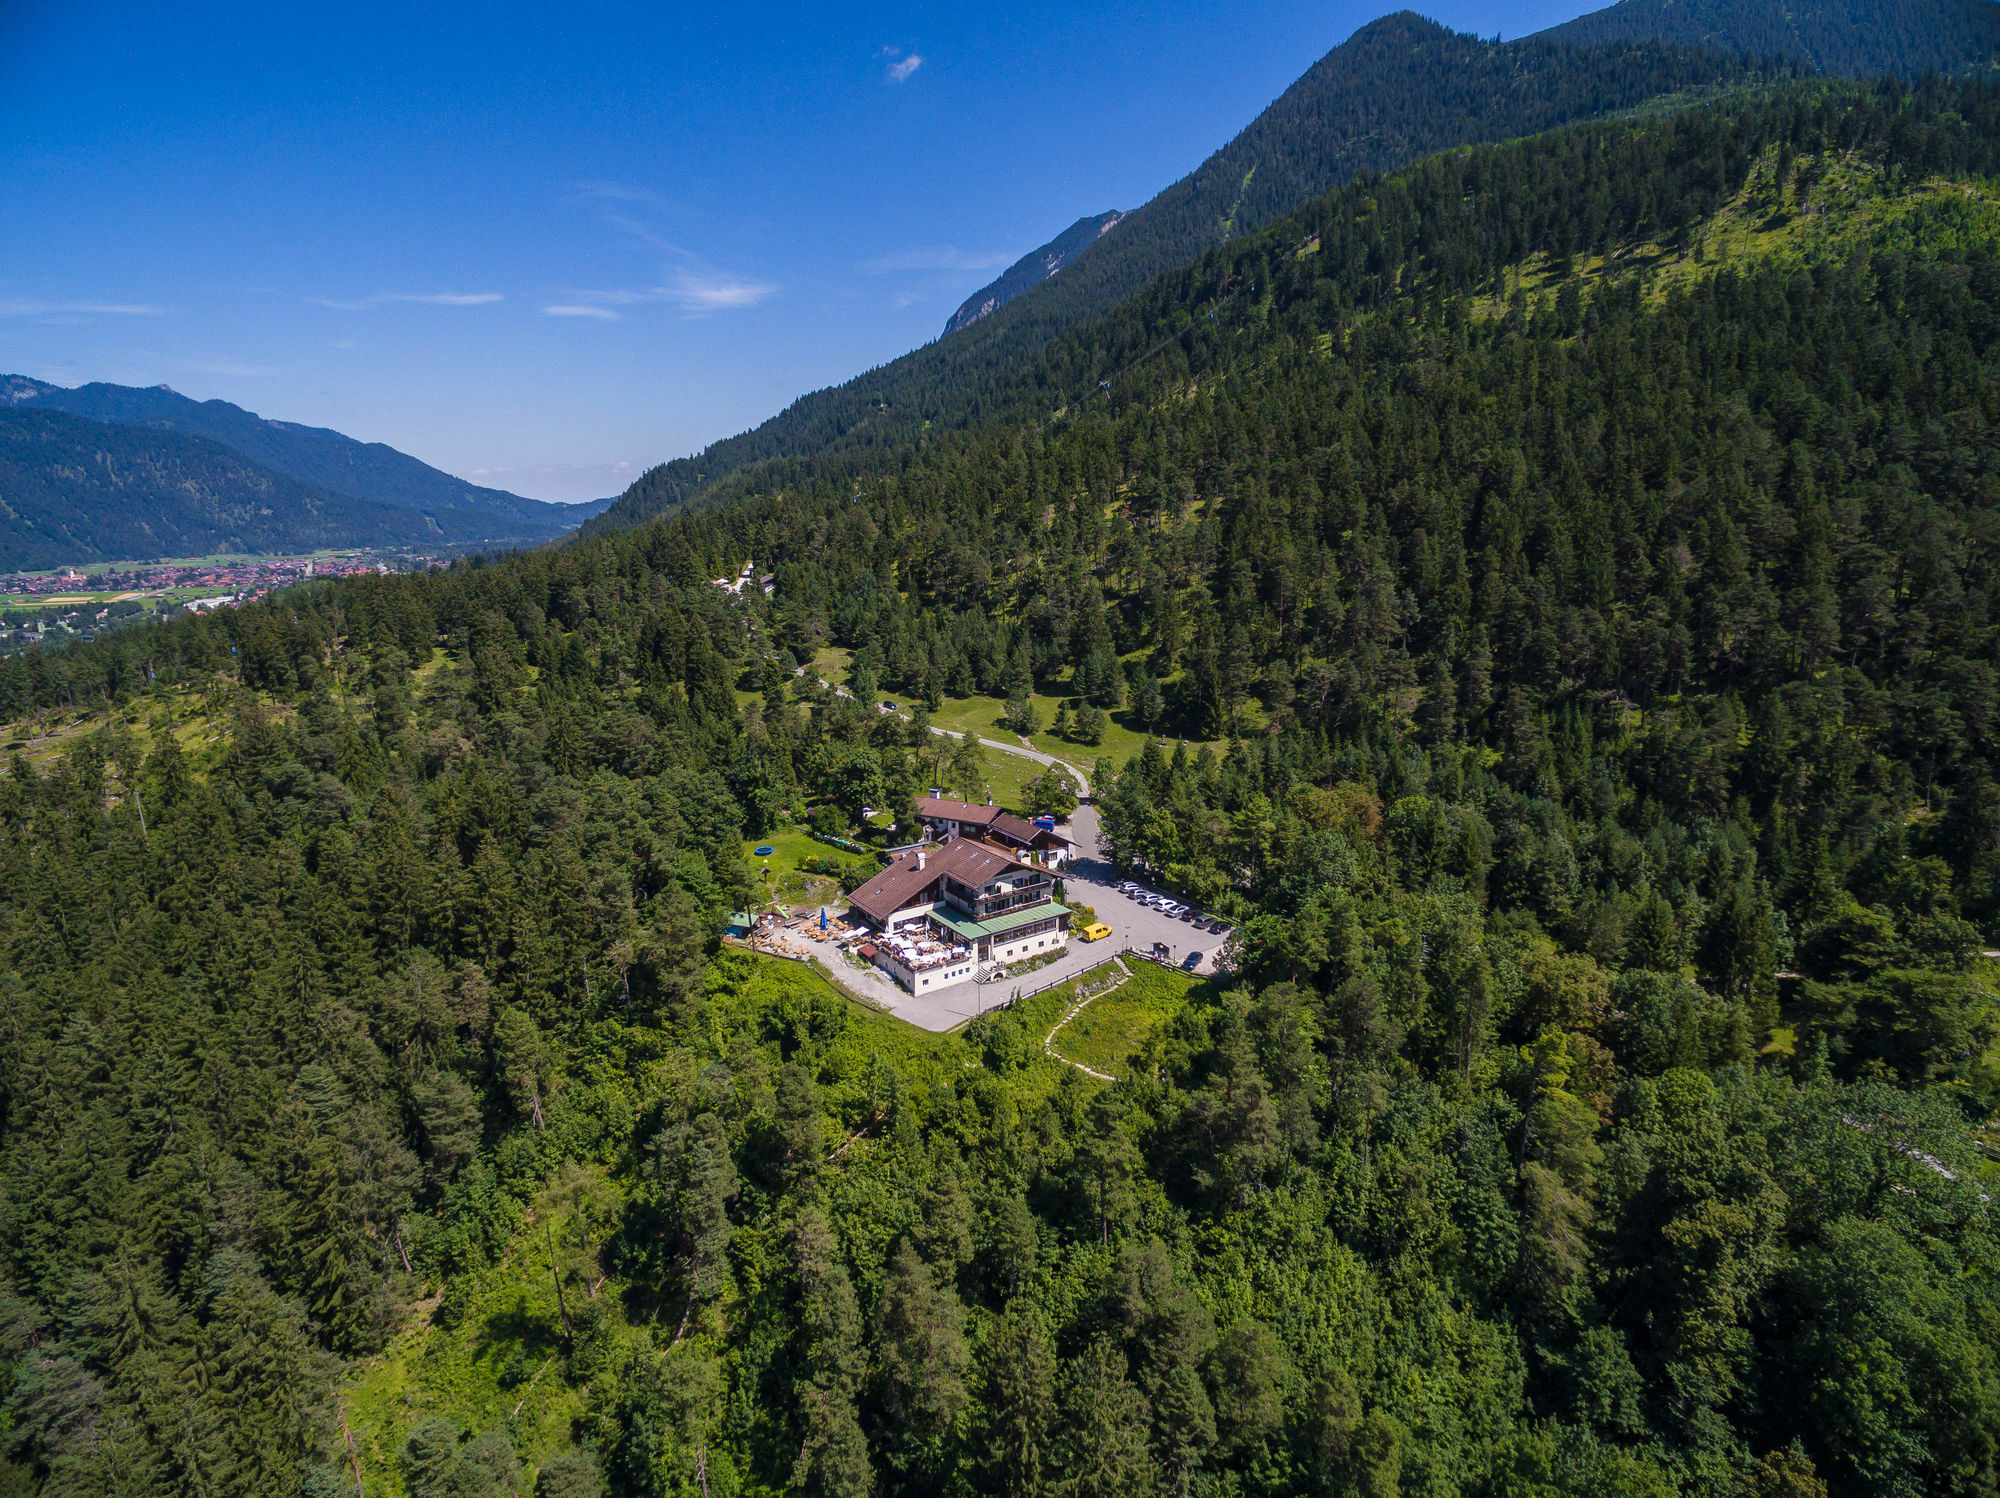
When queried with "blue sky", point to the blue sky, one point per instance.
{"points": [[546, 247]]}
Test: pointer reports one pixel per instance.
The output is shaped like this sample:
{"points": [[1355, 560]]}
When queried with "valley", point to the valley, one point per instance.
{"points": [[1512, 540]]}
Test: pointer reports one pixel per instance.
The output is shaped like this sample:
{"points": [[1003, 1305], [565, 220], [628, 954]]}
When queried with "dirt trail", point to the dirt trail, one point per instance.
{"points": [[1049, 1040]]}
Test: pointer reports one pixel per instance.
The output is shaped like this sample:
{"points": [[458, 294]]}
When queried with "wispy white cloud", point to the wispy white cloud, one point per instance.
{"points": [[641, 233], [938, 257], [694, 291], [615, 192], [715, 291], [900, 70], [424, 298], [29, 307]]}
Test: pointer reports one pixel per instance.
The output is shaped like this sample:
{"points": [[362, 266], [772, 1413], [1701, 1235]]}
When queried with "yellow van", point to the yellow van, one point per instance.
{"points": [[1097, 932]]}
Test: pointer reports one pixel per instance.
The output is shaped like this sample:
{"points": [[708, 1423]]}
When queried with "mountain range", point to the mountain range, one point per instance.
{"points": [[1398, 88], [1542, 600], [1843, 38], [102, 472], [1856, 39], [1034, 268]]}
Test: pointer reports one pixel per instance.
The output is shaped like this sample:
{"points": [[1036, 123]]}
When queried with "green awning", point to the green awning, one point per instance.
{"points": [[1000, 925]]}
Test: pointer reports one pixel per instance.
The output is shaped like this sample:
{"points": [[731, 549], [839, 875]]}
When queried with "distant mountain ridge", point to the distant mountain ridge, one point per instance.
{"points": [[74, 490], [1033, 268], [1846, 38], [369, 471], [1397, 89]]}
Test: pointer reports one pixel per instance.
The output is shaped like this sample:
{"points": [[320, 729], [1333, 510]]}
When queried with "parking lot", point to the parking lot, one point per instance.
{"points": [[1089, 880]]}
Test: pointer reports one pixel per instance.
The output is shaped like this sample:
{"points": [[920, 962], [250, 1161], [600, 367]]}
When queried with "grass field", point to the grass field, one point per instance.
{"points": [[1110, 1028], [981, 715], [786, 884]]}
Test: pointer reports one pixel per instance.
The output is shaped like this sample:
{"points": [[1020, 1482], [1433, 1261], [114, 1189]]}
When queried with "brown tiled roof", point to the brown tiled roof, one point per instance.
{"points": [[957, 811], [896, 886], [971, 862], [903, 883], [1021, 830]]}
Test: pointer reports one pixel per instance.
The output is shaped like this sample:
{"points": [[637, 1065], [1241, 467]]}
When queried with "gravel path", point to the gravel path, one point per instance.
{"points": [[1025, 752]]}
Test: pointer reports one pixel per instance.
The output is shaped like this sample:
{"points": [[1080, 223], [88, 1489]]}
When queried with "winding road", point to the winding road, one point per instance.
{"points": [[1021, 749]]}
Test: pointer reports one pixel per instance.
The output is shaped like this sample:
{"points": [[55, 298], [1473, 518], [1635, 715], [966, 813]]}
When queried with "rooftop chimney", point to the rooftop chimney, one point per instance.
{"points": [[920, 858]]}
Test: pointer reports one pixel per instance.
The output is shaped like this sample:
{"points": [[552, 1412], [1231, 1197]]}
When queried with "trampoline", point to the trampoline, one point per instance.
{"points": [[764, 852]]}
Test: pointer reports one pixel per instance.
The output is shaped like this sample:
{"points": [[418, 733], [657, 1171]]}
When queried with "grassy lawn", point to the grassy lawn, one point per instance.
{"points": [[981, 715], [831, 662], [1112, 1027], [1001, 774], [787, 884], [41, 739], [1006, 774]]}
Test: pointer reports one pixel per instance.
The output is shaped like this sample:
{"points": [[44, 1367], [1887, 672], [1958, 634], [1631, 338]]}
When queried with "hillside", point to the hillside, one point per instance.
{"points": [[1397, 88], [369, 471], [74, 490], [1582, 550], [1846, 38], [1033, 268]]}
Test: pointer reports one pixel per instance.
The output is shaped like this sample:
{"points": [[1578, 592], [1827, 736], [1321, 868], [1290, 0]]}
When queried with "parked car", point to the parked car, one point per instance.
{"points": [[1218, 928], [1172, 909], [1191, 961], [1097, 932], [1191, 915]]}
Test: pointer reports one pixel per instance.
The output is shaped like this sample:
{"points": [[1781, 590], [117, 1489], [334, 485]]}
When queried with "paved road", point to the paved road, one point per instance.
{"points": [[1026, 753]]}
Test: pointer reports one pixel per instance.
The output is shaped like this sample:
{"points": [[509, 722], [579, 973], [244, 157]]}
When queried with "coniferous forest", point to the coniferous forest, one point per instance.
{"points": [[1577, 561]]}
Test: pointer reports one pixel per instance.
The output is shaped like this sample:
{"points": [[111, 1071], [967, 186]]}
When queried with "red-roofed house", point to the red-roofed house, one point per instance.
{"points": [[947, 818], [941, 911]]}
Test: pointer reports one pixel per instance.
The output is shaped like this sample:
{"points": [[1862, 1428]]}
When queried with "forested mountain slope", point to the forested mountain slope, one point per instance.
{"points": [[1032, 269], [370, 471], [1847, 38], [1397, 88], [73, 490], [1587, 547]]}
